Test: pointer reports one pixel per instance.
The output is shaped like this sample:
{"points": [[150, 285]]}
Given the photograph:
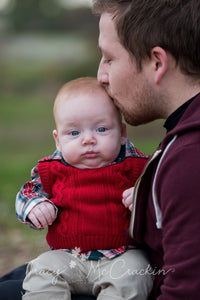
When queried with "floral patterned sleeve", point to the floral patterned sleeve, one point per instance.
{"points": [[30, 194]]}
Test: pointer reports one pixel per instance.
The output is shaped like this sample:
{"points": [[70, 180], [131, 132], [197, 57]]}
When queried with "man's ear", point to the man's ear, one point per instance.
{"points": [[55, 135], [123, 134], [160, 61]]}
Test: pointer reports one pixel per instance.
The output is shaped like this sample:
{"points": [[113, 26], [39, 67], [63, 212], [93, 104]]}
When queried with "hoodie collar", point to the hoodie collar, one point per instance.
{"points": [[188, 120], [174, 118]]}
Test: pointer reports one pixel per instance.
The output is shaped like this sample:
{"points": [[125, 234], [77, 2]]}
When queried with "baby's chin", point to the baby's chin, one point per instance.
{"points": [[92, 165]]}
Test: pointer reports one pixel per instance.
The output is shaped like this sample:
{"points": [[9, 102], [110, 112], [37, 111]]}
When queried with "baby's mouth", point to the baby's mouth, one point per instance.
{"points": [[90, 154]]}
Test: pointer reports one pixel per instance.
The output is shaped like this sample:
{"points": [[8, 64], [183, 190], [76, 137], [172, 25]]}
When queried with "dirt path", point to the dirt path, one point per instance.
{"points": [[16, 249]]}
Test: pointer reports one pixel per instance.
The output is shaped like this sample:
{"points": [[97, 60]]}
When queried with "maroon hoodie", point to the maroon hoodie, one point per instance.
{"points": [[166, 213]]}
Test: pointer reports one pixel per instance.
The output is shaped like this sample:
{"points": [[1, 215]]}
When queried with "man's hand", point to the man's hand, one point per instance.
{"points": [[42, 215], [127, 199]]}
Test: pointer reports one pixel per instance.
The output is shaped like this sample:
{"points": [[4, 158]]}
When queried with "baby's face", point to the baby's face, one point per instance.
{"points": [[89, 130]]}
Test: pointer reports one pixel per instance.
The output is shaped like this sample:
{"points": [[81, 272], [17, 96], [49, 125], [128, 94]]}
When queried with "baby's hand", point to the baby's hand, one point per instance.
{"points": [[127, 199], [42, 215]]}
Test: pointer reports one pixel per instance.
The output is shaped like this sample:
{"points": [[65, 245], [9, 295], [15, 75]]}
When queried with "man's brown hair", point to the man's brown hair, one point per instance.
{"points": [[173, 25]]}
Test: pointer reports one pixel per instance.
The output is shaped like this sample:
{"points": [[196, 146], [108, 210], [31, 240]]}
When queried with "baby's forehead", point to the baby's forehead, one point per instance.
{"points": [[91, 96], [75, 91], [82, 93]]}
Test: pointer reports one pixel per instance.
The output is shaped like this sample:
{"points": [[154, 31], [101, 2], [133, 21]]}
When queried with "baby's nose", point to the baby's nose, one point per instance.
{"points": [[89, 138]]}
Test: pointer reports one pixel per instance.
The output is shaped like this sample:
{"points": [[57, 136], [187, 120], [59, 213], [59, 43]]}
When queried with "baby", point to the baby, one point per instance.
{"points": [[77, 193]]}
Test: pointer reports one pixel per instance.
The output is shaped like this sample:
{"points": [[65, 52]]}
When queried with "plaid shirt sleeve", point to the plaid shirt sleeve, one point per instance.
{"points": [[31, 194], [131, 150]]}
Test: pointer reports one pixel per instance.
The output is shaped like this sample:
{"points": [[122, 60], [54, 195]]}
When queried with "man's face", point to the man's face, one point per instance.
{"points": [[129, 88]]}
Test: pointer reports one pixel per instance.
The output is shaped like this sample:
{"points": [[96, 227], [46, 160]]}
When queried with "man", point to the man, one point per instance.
{"points": [[150, 66]]}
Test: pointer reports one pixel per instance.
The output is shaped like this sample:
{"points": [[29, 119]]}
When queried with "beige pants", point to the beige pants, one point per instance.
{"points": [[55, 274]]}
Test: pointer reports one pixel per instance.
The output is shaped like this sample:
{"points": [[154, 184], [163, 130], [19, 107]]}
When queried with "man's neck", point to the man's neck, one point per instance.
{"points": [[181, 94], [175, 117], [177, 87]]}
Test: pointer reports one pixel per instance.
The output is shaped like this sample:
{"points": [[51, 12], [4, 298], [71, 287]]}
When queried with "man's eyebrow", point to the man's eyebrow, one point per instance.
{"points": [[103, 51]]}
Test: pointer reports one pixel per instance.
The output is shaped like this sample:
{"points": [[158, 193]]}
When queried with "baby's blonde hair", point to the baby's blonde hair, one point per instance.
{"points": [[74, 88]]}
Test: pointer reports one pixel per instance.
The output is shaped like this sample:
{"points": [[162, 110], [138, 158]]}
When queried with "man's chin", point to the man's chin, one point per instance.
{"points": [[130, 119], [137, 120]]}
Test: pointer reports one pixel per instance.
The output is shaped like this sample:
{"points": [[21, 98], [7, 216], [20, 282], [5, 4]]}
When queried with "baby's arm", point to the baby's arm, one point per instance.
{"points": [[30, 195], [127, 198]]}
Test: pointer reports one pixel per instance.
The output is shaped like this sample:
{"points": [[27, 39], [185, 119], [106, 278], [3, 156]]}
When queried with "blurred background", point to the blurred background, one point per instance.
{"points": [[43, 44]]}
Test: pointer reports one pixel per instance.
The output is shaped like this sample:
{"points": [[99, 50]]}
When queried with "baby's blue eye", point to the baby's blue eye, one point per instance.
{"points": [[74, 133], [101, 129]]}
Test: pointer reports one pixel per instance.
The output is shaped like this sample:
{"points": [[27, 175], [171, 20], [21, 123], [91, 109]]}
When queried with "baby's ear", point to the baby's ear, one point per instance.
{"points": [[55, 135], [123, 134]]}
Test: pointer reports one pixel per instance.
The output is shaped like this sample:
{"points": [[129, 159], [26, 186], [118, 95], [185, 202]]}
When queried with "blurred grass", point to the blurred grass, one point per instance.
{"points": [[25, 134], [147, 137]]}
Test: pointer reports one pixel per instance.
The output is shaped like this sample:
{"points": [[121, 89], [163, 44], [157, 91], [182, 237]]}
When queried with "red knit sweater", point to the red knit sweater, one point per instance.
{"points": [[91, 214]]}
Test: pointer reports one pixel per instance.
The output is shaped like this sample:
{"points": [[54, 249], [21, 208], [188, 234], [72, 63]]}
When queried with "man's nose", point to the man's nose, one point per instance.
{"points": [[102, 74]]}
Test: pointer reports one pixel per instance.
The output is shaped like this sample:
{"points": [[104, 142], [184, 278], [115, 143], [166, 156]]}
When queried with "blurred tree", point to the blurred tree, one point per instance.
{"points": [[29, 15], [48, 15]]}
